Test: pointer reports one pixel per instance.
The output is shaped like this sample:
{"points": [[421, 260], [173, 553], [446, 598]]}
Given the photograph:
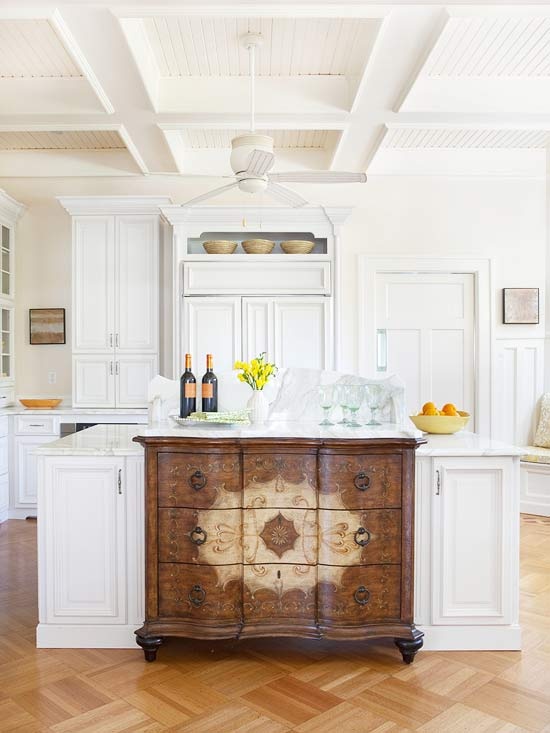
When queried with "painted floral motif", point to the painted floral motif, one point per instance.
{"points": [[279, 535]]}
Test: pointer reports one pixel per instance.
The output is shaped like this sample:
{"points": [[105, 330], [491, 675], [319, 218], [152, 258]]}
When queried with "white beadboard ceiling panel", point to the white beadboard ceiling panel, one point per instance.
{"points": [[492, 47], [416, 137], [201, 138], [61, 140], [32, 49], [209, 46]]}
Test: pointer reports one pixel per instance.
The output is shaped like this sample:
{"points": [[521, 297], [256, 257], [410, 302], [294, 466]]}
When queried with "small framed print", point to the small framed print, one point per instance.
{"points": [[520, 305], [47, 325]]}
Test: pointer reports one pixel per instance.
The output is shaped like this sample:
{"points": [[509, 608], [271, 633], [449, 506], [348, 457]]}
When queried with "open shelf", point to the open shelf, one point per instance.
{"points": [[195, 248]]}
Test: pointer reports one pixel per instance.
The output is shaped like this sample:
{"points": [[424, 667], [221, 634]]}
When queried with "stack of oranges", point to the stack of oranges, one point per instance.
{"points": [[430, 409]]}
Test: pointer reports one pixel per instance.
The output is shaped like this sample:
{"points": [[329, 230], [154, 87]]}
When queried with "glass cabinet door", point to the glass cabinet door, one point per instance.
{"points": [[6, 354], [6, 261]]}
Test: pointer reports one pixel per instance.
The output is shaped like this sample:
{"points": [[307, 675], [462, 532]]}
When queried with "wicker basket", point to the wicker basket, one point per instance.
{"points": [[220, 247], [257, 246], [297, 247]]}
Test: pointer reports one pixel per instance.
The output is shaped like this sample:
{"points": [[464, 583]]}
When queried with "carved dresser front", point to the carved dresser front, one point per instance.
{"points": [[278, 537]]}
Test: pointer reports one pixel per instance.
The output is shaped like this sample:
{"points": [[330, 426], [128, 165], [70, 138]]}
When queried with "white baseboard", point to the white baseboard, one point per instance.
{"points": [[49, 636], [22, 513], [529, 507], [471, 638]]}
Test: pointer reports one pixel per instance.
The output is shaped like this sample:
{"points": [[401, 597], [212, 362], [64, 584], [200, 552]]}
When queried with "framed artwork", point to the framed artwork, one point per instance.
{"points": [[520, 305], [47, 325]]}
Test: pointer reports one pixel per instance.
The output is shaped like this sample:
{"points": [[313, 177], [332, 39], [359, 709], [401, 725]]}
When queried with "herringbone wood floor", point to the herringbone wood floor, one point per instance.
{"points": [[269, 686]]}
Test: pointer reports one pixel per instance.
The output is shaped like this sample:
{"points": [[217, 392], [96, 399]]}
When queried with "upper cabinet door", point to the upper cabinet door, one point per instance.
{"points": [[302, 332], [137, 284], [212, 326], [93, 283], [258, 328]]}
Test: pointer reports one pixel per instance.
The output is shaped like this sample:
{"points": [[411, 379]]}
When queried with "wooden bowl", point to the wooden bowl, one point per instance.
{"points": [[441, 424], [297, 247], [257, 246], [220, 247], [41, 404]]}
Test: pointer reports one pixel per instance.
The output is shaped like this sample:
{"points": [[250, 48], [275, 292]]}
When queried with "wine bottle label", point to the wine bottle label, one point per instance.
{"points": [[190, 389], [207, 390]]}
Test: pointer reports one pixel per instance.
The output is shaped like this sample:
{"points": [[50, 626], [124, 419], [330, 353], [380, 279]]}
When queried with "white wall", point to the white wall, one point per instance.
{"points": [[501, 219]]}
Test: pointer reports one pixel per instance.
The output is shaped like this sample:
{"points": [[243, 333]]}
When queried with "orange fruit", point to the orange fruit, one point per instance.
{"points": [[431, 411], [429, 406], [449, 409]]}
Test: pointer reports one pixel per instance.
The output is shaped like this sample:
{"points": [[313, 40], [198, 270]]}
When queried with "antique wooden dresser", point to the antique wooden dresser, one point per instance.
{"points": [[279, 537]]}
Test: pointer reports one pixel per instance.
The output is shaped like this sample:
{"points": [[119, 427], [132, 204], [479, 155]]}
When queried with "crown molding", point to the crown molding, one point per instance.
{"points": [[10, 209], [76, 205], [256, 217]]}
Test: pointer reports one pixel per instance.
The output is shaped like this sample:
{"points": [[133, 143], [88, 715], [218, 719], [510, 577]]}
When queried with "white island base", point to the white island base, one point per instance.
{"points": [[91, 536]]}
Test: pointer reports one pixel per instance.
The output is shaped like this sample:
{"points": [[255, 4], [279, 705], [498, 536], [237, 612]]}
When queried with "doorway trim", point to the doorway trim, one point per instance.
{"points": [[372, 265]]}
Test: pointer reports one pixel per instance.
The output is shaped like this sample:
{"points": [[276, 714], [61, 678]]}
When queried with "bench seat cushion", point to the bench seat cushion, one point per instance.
{"points": [[533, 454]]}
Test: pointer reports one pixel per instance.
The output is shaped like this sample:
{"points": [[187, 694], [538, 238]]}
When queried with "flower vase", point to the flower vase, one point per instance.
{"points": [[258, 406]]}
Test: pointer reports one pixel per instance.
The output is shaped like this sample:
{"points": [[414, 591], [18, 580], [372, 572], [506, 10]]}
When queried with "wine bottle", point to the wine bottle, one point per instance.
{"points": [[188, 390], [209, 387]]}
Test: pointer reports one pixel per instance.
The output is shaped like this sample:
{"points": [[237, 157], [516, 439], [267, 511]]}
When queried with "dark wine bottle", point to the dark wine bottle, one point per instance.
{"points": [[188, 390], [209, 387]]}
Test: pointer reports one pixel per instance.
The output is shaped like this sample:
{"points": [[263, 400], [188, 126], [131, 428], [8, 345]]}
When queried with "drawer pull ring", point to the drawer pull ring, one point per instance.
{"points": [[361, 481], [198, 536], [197, 595], [361, 596], [197, 480], [362, 537]]}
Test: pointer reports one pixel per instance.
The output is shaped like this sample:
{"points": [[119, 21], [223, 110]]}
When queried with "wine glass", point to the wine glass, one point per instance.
{"points": [[343, 402], [376, 398], [355, 396], [326, 402]]}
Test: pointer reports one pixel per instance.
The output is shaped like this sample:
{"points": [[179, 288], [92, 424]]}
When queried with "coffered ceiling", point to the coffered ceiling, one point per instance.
{"points": [[139, 88]]}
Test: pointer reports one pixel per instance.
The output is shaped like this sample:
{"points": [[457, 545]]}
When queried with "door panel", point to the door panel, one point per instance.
{"points": [[212, 326], [258, 328], [132, 377], [301, 327], [25, 476], [93, 380]]}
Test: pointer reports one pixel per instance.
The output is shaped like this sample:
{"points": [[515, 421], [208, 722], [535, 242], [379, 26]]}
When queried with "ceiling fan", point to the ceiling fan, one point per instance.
{"points": [[252, 157]]}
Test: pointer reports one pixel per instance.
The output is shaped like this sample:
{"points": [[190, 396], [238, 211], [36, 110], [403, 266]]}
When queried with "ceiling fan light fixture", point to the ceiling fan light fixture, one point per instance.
{"points": [[252, 185]]}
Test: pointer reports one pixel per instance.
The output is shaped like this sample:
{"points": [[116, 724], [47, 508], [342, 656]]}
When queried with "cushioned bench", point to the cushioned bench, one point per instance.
{"points": [[535, 467]]}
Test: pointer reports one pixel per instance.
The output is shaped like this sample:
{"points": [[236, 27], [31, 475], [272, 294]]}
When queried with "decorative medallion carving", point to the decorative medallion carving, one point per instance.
{"points": [[279, 535]]}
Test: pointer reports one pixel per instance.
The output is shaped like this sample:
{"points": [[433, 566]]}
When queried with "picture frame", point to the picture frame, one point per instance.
{"points": [[520, 305], [46, 326]]}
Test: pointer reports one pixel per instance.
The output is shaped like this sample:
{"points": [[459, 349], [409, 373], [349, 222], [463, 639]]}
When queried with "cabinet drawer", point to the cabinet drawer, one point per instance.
{"points": [[36, 425], [356, 595], [280, 536], [199, 480], [359, 481], [200, 536], [280, 480], [200, 591], [360, 537], [273, 592]]}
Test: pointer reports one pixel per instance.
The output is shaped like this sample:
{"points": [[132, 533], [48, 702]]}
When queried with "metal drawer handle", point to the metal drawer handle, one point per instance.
{"points": [[361, 481], [198, 536], [361, 596], [364, 534], [197, 480], [34, 425], [197, 595]]}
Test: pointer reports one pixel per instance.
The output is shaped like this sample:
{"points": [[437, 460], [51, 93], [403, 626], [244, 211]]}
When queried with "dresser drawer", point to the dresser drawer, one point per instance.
{"points": [[200, 536], [200, 592], [280, 480], [36, 425], [199, 480], [359, 594], [280, 536], [359, 481], [273, 592], [359, 537]]}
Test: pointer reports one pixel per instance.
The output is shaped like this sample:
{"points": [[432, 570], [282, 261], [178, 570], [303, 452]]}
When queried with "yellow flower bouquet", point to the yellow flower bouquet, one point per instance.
{"points": [[257, 372]]}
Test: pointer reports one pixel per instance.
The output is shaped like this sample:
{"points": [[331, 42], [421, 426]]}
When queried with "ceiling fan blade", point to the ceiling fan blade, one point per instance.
{"points": [[259, 163], [210, 194], [284, 194], [318, 177]]}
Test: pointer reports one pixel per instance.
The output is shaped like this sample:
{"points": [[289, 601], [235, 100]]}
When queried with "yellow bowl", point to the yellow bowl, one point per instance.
{"points": [[441, 424], [41, 404]]}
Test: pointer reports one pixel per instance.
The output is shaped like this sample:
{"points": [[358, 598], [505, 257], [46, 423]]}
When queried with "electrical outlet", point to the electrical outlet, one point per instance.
{"points": [[52, 377]]}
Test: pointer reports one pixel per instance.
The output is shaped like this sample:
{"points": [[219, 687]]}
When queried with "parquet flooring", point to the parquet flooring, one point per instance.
{"points": [[269, 685]]}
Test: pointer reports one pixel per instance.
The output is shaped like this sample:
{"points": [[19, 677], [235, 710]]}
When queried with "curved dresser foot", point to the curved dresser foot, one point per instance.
{"points": [[150, 645], [409, 647]]}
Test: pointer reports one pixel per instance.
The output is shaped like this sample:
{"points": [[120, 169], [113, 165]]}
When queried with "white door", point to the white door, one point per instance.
{"points": [[93, 283], [301, 327], [212, 326], [84, 509], [132, 377], [425, 326], [94, 380], [473, 541], [137, 288], [258, 328], [24, 474]]}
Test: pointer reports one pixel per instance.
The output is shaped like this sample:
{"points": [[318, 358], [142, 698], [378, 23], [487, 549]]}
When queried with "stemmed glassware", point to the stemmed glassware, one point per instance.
{"points": [[343, 402], [326, 402], [376, 397], [354, 399]]}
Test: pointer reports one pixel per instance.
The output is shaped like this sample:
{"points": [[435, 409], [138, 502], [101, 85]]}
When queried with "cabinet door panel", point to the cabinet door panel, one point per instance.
{"points": [[472, 543], [133, 374], [212, 326], [94, 380], [93, 283], [137, 274], [25, 476], [301, 327], [258, 328], [85, 516]]}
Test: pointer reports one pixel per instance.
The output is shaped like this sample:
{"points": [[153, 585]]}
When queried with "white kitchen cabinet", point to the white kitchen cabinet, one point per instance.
{"points": [[212, 326], [258, 328], [94, 380], [24, 469], [301, 327], [132, 377]]}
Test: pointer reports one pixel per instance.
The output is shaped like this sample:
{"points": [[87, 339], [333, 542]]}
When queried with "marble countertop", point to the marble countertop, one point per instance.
{"points": [[116, 440], [61, 410]]}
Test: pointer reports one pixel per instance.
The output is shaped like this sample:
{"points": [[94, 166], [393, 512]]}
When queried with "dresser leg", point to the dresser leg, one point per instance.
{"points": [[150, 645], [409, 647]]}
